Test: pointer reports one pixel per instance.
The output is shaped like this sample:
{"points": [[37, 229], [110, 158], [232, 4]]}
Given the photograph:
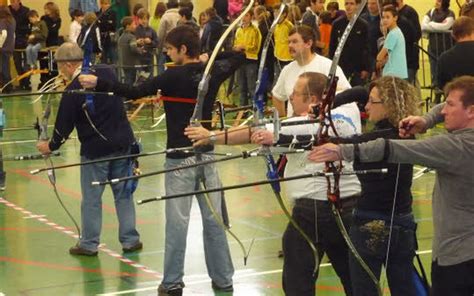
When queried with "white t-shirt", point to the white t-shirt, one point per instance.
{"points": [[74, 31], [347, 122], [290, 73]]}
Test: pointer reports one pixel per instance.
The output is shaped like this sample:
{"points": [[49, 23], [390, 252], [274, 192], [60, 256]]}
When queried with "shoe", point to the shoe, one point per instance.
{"points": [[77, 250], [136, 247], [178, 291], [217, 288], [280, 254]]}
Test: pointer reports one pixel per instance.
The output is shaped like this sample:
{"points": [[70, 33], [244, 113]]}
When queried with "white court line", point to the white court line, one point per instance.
{"points": [[244, 274]]}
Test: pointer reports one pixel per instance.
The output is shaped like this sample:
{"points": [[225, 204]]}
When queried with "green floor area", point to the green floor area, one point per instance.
{"points": [[35, 232]]}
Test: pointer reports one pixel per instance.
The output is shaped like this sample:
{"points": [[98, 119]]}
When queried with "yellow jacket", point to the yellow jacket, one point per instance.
{"points": [[250, 38], [282, 51]]}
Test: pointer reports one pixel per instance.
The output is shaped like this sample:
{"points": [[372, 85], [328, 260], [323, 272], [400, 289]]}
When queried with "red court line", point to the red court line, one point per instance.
{"points": [[76, 195], [75, 236]]}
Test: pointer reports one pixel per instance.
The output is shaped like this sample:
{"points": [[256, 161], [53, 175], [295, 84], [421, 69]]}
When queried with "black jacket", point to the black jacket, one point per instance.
{"points": [[23, 27], [378, 190], [109, 118], [53, 30], [107, 23], [457, 61], [180, 82], [409, 35], [412, 16], [212, 33], [355, 55]]}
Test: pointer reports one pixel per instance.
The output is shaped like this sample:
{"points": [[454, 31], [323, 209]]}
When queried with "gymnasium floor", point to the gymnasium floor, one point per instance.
{"points": [[35, 233]]}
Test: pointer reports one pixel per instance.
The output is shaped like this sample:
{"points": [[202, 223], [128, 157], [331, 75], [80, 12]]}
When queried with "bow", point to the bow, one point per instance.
{"points": [[42, 127], [23, 76], [258, 106], [197, 116], [87, 46], [326, 126]]}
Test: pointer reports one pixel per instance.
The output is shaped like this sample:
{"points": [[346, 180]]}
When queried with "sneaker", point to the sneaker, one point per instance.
{"points": [[217, 288], [177, 291], [136, 247], [77, 250]]}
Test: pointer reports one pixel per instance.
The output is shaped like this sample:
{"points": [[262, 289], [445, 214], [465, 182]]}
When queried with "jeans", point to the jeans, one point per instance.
{"points": [[247, 76], [5, 67], [216, 249], [453, 280], [370, 236], [318, 222], [109, 54], [32, 54], [91, 205]]}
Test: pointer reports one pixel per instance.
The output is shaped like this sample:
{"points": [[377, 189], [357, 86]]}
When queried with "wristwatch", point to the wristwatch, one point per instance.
{"points": [[212, 137]]}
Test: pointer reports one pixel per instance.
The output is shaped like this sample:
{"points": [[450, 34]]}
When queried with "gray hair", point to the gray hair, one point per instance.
{"points": [[69, 52]]}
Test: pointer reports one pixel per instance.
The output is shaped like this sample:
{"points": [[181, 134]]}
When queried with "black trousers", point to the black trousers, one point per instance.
{"points": [[19, 58], [452, 280], [318, 222]]}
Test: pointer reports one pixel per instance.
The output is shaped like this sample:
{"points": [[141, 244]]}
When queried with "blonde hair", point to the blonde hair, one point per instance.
{"points": [[53, 9], [294, 14], [400, 97]]}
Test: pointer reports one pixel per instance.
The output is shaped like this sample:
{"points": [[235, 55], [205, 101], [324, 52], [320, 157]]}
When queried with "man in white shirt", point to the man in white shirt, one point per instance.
{"points": [[303, 50], [311, 211]]}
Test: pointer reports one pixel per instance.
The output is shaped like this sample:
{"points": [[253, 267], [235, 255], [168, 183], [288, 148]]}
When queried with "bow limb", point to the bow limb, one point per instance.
{"points": [[204, 83], [221, 223], [272, 172], [326, 126], [197, 116], [42, 126]]}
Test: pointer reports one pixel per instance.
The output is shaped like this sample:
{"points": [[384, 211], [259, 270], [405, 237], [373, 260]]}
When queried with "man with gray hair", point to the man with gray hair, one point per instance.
{"points": [[104, 131]]}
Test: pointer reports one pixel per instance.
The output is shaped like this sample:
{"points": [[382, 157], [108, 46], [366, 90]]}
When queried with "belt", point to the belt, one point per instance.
{"points": [[346, 202]]}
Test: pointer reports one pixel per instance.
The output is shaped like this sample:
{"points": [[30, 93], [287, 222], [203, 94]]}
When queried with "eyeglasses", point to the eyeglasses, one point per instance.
{"points": [[295, 93], [375, 102]]}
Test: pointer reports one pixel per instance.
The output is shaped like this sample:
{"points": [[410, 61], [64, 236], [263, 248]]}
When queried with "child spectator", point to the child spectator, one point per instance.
{"points": [[294, 14], [36, 40], [107, 24], [53, 20], [128, 51], [94, 35], [248, 39], [392, 57], [212, 31], [147, 39], [325, 28], [135, 10], [202, 22], [187, 19], [156, 18], [282, 51], [333, 8], [76, 25]]}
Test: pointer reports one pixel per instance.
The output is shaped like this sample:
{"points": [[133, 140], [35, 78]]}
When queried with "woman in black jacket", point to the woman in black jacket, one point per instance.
{"points": [[383, 230]]}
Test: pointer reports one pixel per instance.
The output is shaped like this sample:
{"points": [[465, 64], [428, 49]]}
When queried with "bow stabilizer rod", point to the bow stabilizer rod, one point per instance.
{"points": [[264, 182]]}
